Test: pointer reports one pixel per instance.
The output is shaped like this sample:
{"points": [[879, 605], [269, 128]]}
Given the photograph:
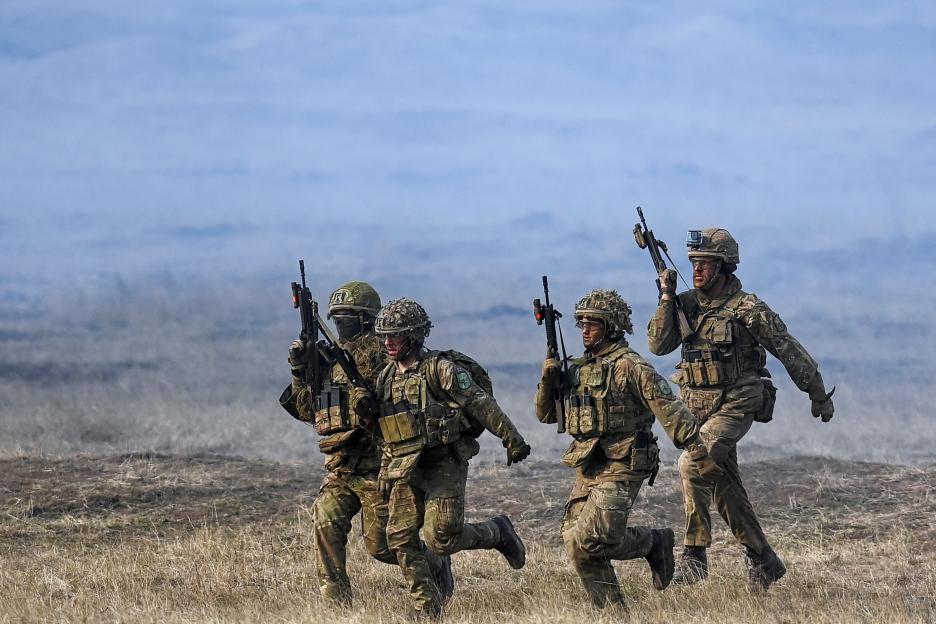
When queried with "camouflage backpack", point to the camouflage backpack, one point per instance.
{"points": [[478, 373]]}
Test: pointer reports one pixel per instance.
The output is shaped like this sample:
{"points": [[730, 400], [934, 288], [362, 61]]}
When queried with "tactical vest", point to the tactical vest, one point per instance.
{"points": [[332, 407], [595, 406], [722, 349], [412, 419], [332, 410]]}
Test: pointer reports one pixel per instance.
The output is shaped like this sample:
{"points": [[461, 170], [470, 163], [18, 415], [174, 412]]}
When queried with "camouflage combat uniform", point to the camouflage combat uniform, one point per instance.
{"points": [[352, 452], [723, 380], [431, 414], [610, 399]]}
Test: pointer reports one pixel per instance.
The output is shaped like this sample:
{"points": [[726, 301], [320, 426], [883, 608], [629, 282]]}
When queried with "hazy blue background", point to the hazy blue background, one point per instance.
{"points": [[164, 164]]}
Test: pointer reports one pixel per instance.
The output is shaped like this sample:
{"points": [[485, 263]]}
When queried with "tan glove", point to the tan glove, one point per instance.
{"points": [[298, 359], [384, 485], [551, 373], [668, 282], [708, 469]]}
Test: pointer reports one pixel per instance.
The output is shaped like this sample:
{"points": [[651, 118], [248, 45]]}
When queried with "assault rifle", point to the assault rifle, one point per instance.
{"points": [[646, 240], [548, 315], [321, 345]]}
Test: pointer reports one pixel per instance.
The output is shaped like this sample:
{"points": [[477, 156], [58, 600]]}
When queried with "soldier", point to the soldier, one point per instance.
{"points": [[609, 398], [344, 416], [433, 406], [723, 381]]}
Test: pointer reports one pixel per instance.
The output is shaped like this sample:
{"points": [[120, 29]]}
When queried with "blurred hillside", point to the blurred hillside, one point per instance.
{"points": [[192, 360], [164, 165]]}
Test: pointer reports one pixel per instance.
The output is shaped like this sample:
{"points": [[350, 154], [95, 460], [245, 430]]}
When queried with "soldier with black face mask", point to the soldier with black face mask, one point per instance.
{"points": [[345, 418]]}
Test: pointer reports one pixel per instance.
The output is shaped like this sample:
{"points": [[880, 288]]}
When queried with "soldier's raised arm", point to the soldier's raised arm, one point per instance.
{"points": [[662, 330], [545, 400]]}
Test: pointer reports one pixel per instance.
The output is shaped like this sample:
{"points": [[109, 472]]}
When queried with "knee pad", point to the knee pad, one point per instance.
{"points": [[444, 525], [441, 540]]}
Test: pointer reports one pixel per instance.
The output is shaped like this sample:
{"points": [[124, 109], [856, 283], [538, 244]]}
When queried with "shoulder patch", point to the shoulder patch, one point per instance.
{"points": [[663, 387], [778, 324], [462, 378]]}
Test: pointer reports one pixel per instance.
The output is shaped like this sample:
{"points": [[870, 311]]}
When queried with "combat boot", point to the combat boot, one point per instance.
{"points": [[510, 544], [660, 557], [444, 579], [693, 566], [763, 569]]}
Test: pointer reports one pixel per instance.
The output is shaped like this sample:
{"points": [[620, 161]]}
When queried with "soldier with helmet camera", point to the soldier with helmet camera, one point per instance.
{"points": [[723, 379]]}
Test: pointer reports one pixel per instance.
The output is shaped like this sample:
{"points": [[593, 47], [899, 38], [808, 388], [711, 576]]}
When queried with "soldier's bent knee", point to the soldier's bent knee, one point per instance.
{"points": [[442, 540], [579, 554], [719, 450], [687, 467]]}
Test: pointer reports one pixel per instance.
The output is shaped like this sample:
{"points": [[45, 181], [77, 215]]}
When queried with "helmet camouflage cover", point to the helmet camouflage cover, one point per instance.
{"points": [[608, 306], [354, 297], [403, 317], [714, 243]]}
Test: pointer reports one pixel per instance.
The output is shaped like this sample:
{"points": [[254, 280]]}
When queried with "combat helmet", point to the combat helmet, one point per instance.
{"points": [[403, 317], [608, 306], [713, 243], [354, 297]]}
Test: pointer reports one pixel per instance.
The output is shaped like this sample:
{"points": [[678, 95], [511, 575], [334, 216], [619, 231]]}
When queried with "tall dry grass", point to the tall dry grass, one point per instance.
{"points": [[169, 540]]}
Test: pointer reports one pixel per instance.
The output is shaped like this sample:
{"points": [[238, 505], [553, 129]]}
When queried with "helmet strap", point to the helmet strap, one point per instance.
{"points": [[411, 347], [598, 346], [715, 276]]}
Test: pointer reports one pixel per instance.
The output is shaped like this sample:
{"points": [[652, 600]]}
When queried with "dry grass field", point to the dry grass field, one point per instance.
{"points": [[152, 538]]}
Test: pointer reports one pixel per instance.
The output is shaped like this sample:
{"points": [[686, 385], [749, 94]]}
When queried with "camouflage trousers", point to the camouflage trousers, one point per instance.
{"points": [[720, 433], [341, 497], [433, 498], [595, 533]]}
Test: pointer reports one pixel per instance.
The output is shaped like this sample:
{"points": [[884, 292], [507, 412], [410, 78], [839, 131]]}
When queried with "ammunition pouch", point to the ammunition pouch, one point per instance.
{"points": [[702, 403], [723, 351], [595, 407], [710, 367], [589, 415], [332, 411], [581, 415], [770, 399], [400, 467], [406, 431], [645, 454]]}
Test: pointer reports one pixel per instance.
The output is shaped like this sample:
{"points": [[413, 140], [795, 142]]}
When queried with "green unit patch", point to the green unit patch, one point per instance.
{"points": [[463, 379], [779, 325], [664, 387]]}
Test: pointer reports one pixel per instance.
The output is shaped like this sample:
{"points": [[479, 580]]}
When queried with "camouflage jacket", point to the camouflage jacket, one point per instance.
{"points": [[435, 390], [612, 439], [354, 451], [732, 333]]}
